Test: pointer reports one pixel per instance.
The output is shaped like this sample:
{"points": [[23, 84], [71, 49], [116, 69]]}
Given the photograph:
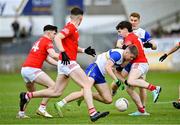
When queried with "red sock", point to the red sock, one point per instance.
{"points": [[29, 95], [43, 104], [141, 109], [92, 111], [151, 87]]}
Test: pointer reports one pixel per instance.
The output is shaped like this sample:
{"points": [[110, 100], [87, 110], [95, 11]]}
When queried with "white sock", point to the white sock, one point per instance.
{"points": [[62, 103], [42, 108], [21, 113]]}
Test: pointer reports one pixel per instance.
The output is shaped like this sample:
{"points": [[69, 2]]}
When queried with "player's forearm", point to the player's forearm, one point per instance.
{"points": [[119, 76], [110, 72], [174, 49], [80, 50], [58, 43], [51, 61], [53, 54]]}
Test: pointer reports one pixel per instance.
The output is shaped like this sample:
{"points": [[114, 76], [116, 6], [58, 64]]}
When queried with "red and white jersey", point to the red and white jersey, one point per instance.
{"points": [[133, 39], [70, 42], [38, 53]]}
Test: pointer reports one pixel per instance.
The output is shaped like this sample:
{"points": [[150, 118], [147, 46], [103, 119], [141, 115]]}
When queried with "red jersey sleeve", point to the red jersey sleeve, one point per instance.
{"points": [[67, 30], [179, 43], [49, 46]]}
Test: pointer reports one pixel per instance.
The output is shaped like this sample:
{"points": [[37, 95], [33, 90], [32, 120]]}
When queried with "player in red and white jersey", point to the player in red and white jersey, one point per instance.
{"points": [[147, 42], [31, 71], [138, 69], [162, 58], [67, 43]]}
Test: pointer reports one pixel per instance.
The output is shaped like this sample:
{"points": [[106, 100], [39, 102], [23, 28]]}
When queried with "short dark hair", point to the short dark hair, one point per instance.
{"points": [[124, 24], [50, 27], [135, 14], [133, 49], [76, 11]]}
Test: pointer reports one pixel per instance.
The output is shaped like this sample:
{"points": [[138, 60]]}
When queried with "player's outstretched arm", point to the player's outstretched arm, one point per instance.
{"points": [[89, 51], [174, 49]]}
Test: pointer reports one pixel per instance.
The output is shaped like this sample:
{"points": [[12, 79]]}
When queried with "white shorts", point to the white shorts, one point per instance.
{"points": [[143, 67], [29, 74], [67, 69]]}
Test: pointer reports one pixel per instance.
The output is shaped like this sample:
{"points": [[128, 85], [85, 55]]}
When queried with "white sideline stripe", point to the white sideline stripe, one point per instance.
{"points": [[164, 102]]}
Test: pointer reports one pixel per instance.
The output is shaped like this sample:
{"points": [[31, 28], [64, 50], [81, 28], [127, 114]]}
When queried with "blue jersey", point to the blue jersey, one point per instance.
{"points": [[97, 70]]}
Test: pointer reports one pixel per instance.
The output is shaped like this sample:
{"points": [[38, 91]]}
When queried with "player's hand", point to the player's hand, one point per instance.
{"points": [[124, 47], [119, 84], [65, 58], [90, 51], [163, 57], [119, 68], [147, 45]]}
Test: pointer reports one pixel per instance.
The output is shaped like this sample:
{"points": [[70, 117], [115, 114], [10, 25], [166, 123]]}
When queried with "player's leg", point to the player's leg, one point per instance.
{"points": [[104, 93], [137, 70], [136, 98], [74, 95], [143, 96], [29, 83], [71, 97], [55, 91], [43, 79], [176, 104], [79, 76]]}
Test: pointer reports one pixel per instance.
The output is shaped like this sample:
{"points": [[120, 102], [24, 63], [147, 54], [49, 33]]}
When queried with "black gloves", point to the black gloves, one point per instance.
{"points": [[147, 45], [163, 57], [90, 51], [124, 47], [65, 58], [119, 68]]}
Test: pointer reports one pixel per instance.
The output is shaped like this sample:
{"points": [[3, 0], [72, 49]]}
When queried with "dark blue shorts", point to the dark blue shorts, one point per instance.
{"points": [[93, 71], [127, 68]]}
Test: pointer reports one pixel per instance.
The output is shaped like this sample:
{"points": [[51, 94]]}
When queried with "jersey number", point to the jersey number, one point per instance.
{"points": [[35, 46]]}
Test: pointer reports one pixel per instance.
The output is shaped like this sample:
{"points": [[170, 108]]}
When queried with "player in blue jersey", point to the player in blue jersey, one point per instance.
{"points": [[147, 41], [96, 72], [162, 58], [145, 37]]}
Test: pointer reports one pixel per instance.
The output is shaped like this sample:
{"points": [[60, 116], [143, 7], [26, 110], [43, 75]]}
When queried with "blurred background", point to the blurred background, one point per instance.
{"points": [[22, 22]]}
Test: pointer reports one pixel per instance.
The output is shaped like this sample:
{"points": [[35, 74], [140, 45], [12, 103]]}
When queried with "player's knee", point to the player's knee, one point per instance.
{"points": [[55, 93], [108, 100], [86, 86], [130, 81]]}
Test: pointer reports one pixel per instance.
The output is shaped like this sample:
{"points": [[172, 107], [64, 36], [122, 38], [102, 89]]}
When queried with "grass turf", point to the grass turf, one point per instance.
{"points": [[161, 113]]}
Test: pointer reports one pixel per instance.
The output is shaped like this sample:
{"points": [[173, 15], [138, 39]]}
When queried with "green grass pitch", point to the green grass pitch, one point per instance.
{"points": [[161, 113]]}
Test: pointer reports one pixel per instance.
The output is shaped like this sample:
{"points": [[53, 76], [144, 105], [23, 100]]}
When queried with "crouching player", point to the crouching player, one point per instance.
{"points": [[31, 72], [162, 58], [96, 72]]}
